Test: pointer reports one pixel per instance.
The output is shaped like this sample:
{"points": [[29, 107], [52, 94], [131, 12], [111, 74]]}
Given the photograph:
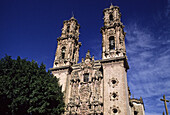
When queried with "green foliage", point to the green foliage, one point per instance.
{"points": [[26, 88]]}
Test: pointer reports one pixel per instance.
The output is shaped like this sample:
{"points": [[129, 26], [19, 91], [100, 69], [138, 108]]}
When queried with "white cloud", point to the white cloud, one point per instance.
{"points": [[149, 62], [153, 113]]}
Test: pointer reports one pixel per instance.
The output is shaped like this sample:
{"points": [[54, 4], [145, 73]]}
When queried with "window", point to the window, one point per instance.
{"points": [[86, 77], [111, 17], [113, 81], [73, 53], [115, 110], [135, 112], [63, 50], [112, 43], [68, 28], [114, 95]]}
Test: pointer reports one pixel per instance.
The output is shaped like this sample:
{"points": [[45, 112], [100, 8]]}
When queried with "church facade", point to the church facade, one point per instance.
{"points": [[95, 87]]}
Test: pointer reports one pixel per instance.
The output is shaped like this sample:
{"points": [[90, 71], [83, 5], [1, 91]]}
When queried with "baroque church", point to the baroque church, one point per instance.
{"points": [[95, 87]]}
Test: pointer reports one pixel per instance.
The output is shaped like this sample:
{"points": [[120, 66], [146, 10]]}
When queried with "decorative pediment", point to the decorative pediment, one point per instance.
{"points": [[88, 62]]}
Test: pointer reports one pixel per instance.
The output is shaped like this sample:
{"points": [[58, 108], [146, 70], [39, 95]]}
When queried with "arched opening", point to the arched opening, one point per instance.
{"points": [[73, 53], [63, 50], [113, 81], [115, 110], [68, 28], [111, 43], [111, 17], [114, 95], [135, 113], [86, 77]]}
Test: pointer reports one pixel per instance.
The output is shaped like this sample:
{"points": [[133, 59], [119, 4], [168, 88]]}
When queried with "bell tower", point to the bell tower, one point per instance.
{"points": [[114, 63], [67, 52], [113, 43]]}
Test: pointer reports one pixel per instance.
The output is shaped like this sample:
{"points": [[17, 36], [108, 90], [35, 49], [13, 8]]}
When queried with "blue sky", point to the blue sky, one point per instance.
{"points": [[29, 28]]}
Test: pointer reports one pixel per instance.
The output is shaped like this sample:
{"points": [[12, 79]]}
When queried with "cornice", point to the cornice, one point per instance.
{"points": [[60, 68], [114, 59]]}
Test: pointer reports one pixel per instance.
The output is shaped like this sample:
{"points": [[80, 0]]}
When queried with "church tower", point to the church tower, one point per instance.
{"points": [[113, 43], [95, 87], [114, 63], [67, 52]]}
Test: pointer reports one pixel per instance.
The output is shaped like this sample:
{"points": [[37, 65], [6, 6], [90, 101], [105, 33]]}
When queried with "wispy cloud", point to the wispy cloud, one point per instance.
{"points": [[149, 63], [152, 114]]}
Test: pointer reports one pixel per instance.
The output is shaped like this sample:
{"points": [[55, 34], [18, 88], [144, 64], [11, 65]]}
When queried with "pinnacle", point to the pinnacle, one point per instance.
{"points": [[72, 18], [88, 55], [111, 6]]}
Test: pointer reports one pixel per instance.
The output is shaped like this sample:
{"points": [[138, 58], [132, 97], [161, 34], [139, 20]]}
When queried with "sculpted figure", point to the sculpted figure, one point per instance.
{"points": [[72, 27]]}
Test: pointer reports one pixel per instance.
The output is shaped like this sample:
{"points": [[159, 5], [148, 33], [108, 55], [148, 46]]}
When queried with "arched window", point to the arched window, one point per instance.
{"points": [[111, 43], [68, 28], [111, 17], [63, 50], [86, 77], [73, 53], [135, 113]]}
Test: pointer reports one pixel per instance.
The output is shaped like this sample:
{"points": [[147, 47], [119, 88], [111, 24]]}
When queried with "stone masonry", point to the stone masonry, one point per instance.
{"points": [[96, 87]]}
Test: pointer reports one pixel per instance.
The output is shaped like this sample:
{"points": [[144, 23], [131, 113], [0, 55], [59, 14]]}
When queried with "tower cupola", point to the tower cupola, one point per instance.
{"points": [[67, 52], [113, 43]]}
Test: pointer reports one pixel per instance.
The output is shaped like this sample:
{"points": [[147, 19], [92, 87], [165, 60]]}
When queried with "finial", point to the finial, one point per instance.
{"points": [[111, 6], [82, 60], [88, 55], [72, 18], [72, 14], [93, 58], [141, 100]]}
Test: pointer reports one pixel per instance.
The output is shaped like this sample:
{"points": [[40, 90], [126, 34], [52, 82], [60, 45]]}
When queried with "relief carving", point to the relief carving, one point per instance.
{"points": [[113, 82], [114, 110], [85, 92], [113, 96], [86, 97]]}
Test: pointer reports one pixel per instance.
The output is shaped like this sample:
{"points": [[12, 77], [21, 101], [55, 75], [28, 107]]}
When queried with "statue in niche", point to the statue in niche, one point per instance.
{"points": [[106, 17], [121, 40], [75, 89], [77, 100], [64, 28], [72, 27], [97, 90], [84, 108]]}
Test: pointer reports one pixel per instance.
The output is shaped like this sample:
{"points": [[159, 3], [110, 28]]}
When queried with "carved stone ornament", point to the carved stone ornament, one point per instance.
{"points": [[111, 32], [98, 74], [114, 110], [74, 76], [64, 42], [113, 82], [75, 89], [113, 96], [85, 92]]}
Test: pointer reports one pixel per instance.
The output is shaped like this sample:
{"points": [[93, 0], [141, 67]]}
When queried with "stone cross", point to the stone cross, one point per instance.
{"points": [[164, 99]]}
